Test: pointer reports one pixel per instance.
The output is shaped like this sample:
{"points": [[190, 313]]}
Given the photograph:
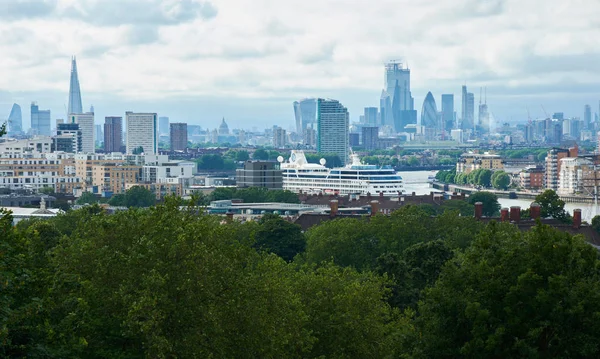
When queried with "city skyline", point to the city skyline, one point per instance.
{"points": [[263, 61]]}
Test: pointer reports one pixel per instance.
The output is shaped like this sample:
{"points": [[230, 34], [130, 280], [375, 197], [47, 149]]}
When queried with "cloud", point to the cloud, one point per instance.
{"points": [[142, 34], [12, 10]]}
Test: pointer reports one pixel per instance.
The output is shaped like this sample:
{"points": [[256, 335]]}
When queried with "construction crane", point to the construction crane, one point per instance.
{"points": [[545, 113], [528, 115]]}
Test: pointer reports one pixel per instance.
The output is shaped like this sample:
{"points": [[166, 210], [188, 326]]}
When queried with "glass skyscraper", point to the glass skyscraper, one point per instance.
{"points": [[15, 120], [448, 112], [74, 90], [333, 124], [40, 121], [429, 114]]}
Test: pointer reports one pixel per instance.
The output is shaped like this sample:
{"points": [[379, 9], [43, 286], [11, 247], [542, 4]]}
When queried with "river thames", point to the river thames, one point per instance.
{"points": [[417, 182]]}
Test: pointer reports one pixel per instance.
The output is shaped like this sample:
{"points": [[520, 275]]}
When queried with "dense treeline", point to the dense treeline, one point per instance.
{"points": [[480, 177], [165, 282]]}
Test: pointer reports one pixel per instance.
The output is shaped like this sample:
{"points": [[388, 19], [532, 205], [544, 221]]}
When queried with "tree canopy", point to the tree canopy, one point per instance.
{"points": [[491, 206], [552, 206]]}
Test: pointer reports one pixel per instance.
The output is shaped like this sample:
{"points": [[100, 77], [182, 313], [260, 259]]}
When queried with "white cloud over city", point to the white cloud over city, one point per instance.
{"points": [[197, 61]]}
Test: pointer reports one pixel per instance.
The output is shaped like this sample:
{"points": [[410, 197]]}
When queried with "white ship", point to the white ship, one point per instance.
{"points": [[355, 178]]}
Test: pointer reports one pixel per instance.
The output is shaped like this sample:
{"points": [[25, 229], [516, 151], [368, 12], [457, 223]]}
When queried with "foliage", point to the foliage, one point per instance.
{"points": [[332, 160], [552, 206], [3, 129], [276, 235], [514, 295], [136, 196], [87, 198], [448, 176], [491, 206], [260, 154], [500, 180], [596, 223], [215, 162]]}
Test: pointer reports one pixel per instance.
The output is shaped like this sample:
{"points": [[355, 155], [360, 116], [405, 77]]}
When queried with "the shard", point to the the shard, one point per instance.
{"points": [[74, 90]]}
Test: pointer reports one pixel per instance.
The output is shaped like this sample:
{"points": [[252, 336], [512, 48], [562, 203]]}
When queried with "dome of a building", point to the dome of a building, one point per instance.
{"points": [[223, 128]]}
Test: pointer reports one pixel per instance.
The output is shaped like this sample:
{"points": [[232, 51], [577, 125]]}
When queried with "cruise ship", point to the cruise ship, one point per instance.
{"points": [[356, 178]]}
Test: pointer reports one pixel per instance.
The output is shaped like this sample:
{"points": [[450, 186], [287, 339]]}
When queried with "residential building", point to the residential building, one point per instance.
{"points": [[532, 178], [309, 137], [72, 132], [40, 121], [75, 105], [113, 133], [113, 177], [447, 112], [370, 138], [164, 171], [279, 138], [87, 128], [178, 136], [469, 162], [553, 165], [260, 174], [40, 144], [332, 128], [28, 172], [142, 136], [354, 139], [457, 135], [570, 179]]}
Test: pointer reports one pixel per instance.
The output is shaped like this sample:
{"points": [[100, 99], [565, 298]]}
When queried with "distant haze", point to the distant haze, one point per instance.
{"points": [[247, 61]]}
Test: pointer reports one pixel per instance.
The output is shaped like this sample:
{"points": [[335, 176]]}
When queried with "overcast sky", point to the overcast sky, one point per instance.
{"points": [[247, 60]]}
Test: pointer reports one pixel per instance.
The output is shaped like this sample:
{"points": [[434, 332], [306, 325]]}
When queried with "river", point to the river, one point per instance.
{"points": [[416, 181]]}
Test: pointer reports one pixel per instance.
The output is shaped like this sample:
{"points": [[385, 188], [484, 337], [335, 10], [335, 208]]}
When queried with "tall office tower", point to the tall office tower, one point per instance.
{"points": [[448, 112], [396, 73], [429, 114], [99, 135], [484, 116], [74, 90], [559, 116], [528, 133], [113, 132], [333, 125], [370, 137], [385, 109], [279, 137], [309, 137], [163, 125], [69, 130], [298, 117], [40, 121], [15, 120], [86, 125], [371, 115], [142, 134], [587, 117], [178, 136], [468, 111]]}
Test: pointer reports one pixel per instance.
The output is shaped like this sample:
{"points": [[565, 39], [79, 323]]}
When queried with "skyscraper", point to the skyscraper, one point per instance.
{"points": [[279, 137], [298, 117], [99, 135], [305, 114], [142, 133], [468, 110], [15, 120], [448, 112], [113, 133], [429, 114], [74, 90], [587, 117], [385, 109], [396, 73], [371, 115], [40, 121], [178, 136], [332, 128], [484, 116], [370, 137], [163, 125], [86, 125]]}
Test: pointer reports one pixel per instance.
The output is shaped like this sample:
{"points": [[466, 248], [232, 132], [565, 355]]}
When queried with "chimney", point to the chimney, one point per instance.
{"points": [[333, 208], [577, 218], [374, 207], [229, 216], [478, 210], [504, 215], [515, 214], [535, 211]]}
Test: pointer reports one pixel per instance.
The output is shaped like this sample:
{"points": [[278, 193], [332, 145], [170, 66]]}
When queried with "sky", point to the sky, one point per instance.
{"points": [[248, 60]]}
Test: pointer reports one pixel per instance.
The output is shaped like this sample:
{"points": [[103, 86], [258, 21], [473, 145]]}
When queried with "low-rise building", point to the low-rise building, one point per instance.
{"points": [[113, 177], [570, 179], [553, 165], [469, 162], [532, 178], [34, 173], [260, 174]]}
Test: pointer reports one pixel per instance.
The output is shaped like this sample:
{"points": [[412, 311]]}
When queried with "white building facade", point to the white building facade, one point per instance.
{"points": [[87, 128], [141, 132], [333, 128]]}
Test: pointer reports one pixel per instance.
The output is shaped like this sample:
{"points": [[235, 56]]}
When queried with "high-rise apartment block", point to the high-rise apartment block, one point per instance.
{"points": [[142, 133], [178, 136], [370, 137], [333, 128], [113, 133], [40, 121], [86, 125], [371, 114], [71, 132], [279, 137]]}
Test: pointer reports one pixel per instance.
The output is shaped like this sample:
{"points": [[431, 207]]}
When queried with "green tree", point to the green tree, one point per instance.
{"points": [[138, 196], [484, 178], [138, 150], [118, 200], [413, 161], [3, 129], [260, 154], [551, 205], [491, 206], [87, 198], [279, 236], [514, 295], [596, 223], [501, 180], [242, 155], [211, 162]]}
